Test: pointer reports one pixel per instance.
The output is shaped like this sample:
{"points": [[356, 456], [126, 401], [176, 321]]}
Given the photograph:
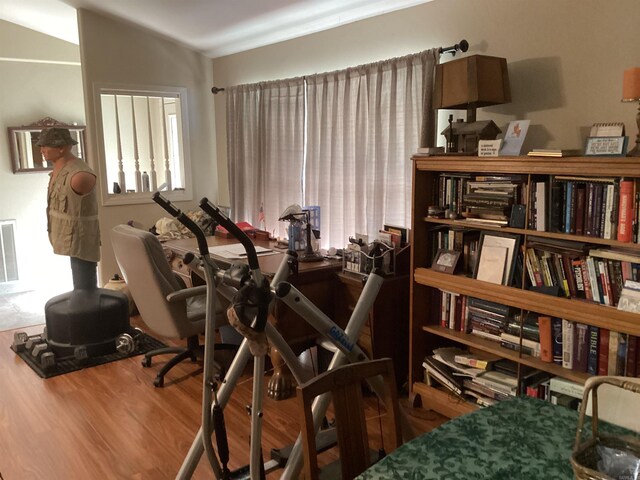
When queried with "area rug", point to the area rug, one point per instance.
{"points": [[145, 344]]}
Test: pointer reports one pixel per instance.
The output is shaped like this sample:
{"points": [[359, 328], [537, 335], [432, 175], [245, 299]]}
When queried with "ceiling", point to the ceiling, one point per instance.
{"points": [[213, 27]]}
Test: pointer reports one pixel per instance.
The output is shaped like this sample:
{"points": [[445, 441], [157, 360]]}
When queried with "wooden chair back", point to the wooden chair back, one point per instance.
{"points": [[345, 386]]}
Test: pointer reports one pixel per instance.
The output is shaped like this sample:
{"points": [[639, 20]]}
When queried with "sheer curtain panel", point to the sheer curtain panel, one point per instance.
{"points": [[363, 124], [265, 148]]}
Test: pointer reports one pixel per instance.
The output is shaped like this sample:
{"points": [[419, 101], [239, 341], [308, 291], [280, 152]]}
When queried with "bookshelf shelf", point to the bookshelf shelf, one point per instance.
{"points": [[534, 233], [427, 285]]}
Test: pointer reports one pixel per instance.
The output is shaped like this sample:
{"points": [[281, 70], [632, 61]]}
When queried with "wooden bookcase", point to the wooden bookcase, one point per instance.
{"points": [[425, 330]]}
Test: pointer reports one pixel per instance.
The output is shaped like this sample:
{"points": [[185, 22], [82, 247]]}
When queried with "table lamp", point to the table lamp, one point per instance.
{"points": [[631, 93], [469, 83]]}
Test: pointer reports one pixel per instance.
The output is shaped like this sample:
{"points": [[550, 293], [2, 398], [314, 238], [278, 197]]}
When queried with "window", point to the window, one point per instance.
{"points": [[143, 144]]}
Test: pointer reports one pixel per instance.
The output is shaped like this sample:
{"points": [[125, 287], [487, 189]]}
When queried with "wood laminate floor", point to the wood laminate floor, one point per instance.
{"points": [[109, 422]]}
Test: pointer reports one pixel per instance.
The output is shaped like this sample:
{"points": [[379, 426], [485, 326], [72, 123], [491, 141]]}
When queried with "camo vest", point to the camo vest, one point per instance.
{"points": [[72, 219]]}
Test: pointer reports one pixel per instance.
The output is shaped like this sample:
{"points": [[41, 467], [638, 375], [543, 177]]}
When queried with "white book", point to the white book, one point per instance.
{"points": [[608, 231], [593, 279], [567, 343], [541, 206], [566, 387]]}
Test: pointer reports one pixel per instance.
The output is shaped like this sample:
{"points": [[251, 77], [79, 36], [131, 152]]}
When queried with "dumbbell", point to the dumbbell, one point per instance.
{"points": [[19, 341], [32, 342], [47, 361], [39, 349]]}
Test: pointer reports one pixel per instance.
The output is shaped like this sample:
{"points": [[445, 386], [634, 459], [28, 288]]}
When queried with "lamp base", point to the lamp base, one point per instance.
{"points": [[308, 257]]}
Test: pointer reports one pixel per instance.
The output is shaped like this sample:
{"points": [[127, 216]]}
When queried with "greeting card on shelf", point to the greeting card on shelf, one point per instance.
{"points": [[514, 138]]}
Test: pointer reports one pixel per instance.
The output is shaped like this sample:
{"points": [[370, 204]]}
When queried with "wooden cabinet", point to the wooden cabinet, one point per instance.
{"points": [[426, 332], [386, 331]]}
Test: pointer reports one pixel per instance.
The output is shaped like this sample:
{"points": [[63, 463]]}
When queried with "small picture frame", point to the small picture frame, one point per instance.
{"points": [[497, 257], [445, 261], [606, 146]]}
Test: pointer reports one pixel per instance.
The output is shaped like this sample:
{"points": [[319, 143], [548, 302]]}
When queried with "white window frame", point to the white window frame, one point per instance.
{"points": [[108, 197]]}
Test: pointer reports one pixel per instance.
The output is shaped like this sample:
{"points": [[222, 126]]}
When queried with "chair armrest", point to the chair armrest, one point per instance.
{"points": [[185, 293]]}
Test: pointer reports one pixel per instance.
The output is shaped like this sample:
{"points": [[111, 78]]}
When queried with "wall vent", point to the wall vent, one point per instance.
{"points": [[8, 258]]}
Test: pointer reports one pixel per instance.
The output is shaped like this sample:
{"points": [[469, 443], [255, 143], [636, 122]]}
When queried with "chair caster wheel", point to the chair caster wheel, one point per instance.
{"points": [[158, 382], [146, 362]]}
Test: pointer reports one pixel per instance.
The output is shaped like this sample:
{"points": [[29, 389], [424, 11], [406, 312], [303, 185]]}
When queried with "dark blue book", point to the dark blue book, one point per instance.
{"points": [[556, 332], [592, 361]]}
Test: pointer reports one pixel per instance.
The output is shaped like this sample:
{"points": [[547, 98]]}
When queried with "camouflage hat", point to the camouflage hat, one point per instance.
{"points": [[55, 137]]}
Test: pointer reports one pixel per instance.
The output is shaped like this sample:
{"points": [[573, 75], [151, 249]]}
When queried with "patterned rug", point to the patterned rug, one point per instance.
{"points": [[145, 344]]}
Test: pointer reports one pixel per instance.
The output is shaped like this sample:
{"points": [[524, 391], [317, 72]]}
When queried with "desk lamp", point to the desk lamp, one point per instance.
{"points": [[631, 93], [295, 213], [468, 83]]}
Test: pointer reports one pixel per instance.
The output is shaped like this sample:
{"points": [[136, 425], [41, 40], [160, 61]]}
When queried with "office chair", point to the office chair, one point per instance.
{"points": [[345, 385], [167, 307]]}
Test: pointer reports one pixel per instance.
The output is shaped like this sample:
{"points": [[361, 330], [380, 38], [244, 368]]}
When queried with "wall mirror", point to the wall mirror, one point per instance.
{"points": [[25, 154]]}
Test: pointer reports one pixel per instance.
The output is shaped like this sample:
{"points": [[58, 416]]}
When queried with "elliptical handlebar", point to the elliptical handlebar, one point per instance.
{"points": [[175, 212], [222, 219]]}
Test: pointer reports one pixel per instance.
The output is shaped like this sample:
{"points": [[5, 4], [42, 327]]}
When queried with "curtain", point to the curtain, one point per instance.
{"points": [[265, 148], [363, 124]]}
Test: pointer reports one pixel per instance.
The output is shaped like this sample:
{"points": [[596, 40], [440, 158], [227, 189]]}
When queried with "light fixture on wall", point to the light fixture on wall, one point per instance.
{"points": [[631, 93], [469, 83]]}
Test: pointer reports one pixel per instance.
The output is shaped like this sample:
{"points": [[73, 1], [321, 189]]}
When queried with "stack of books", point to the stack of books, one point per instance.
{"points": [[553, 152], [489, 198]]}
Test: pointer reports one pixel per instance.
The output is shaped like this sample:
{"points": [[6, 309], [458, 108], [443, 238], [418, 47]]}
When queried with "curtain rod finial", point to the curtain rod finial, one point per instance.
{"points": [[216, 90]]}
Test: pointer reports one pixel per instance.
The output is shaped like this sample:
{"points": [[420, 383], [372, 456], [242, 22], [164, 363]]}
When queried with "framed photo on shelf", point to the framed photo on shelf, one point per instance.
{"points": [[497, 257], [610, 146], [445, 261]]}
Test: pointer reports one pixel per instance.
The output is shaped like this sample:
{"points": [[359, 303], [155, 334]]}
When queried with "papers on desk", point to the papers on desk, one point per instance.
{"points": [[236, 250]]}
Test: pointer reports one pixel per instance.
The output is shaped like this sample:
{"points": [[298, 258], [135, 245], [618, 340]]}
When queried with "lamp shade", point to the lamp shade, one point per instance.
{"points": [[631, 85], [474, 81]]}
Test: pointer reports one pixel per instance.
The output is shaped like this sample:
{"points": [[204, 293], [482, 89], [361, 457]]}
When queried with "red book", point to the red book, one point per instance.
{"points": [[603, 352], [546, 339], [625, 211]]}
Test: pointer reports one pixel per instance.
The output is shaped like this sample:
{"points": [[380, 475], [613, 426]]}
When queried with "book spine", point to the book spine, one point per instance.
{"points": [[625, 211], [594, 280], [580, 347], [604, 280], [556, 325], [590, 208], [608, 210], [567, 343], [560, 385], [592, 360], [491, 306], [623, 350], [586, 279], [546, 340], [612, 364], [580, 209], [632, 361], [603, 352]]}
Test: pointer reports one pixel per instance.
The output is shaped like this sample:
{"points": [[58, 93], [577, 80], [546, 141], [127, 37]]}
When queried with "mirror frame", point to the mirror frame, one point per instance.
{"points": [[38, 126]]}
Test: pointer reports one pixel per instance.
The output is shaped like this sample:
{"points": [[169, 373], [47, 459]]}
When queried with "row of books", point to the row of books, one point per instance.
{"points": [[482, 197], [573, 345], [582, 272], [485, 380], [602, 207]]}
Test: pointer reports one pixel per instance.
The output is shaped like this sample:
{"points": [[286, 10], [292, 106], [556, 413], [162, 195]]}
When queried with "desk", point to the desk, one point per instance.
{"points": [[518, 439], [315, 280]]}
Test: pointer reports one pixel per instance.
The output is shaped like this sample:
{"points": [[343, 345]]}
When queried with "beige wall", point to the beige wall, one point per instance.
{"points": [[565, 59], [117, 53], [39, 77]]}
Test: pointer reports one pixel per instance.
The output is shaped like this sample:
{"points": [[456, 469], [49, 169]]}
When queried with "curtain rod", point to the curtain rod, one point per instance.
{"points": [[463, 46]]}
